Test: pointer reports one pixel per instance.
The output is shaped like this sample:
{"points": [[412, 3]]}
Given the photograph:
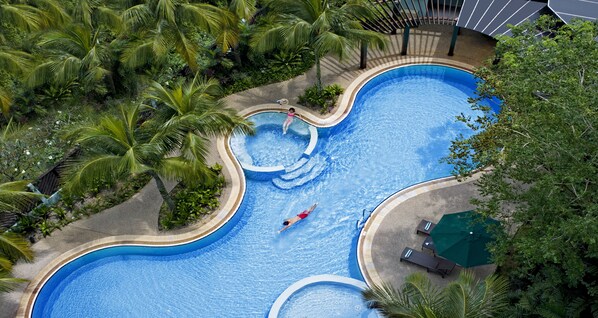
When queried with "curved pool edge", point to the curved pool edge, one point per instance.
{"points": [[312, 280], [233, 170], [347, 99], [365, 260]]}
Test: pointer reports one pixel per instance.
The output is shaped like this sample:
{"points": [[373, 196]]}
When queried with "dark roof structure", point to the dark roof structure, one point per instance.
{"points": [[492, 17], [489, 17], [570, 9]]}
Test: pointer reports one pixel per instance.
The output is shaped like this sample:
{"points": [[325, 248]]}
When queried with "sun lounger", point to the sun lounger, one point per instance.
{"points": [[430, 263], [425, 227]]}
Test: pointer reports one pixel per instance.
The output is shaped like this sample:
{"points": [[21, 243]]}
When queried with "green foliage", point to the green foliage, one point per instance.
{"points": [[12, 248], [45, 219], [193, 201], [419, 297], [262, 71], [287, 61], [542, 150], [324, 99], [322, 26], [29, 151]]}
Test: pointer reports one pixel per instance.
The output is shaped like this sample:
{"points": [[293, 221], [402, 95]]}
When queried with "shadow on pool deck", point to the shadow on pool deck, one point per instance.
{"points": [[397, 231]]}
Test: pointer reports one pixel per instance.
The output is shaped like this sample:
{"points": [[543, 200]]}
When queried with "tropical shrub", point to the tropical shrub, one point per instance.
{"points": [[192, 201], [323, 100], [43, 220]]}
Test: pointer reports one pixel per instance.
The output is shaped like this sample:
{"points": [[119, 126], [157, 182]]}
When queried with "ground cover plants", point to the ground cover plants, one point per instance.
{"points": [[192, 202]]}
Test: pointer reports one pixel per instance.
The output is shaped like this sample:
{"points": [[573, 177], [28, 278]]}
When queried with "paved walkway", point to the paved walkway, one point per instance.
{"points": [[139, 215]]}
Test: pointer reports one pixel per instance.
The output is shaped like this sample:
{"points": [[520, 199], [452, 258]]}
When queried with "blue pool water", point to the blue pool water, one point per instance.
{"points": [[271, 148], [399, 128], [325, 300]]}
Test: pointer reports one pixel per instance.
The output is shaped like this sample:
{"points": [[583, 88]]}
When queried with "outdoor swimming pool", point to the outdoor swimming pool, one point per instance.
{"points": [[400, 126]]}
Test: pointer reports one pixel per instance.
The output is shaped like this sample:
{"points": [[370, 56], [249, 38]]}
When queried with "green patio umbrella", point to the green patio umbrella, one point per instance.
{"points": [[462, 238]]}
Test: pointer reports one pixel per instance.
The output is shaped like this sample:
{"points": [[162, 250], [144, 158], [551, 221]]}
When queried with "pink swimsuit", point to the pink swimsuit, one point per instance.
{"points": [[291, 114]]}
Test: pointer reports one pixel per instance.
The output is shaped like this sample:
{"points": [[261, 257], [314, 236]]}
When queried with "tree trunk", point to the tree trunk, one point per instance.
{"points": [[237, 56], [162, 189], [318, 73]]}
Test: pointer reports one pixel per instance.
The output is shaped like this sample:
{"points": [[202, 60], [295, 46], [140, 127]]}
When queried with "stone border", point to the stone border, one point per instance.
{"points": [[313, 280], [274, 171], [232, 169]]}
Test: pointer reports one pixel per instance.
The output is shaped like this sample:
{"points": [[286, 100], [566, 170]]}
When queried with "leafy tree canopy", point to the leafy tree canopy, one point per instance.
{"points": [[543, 152]]}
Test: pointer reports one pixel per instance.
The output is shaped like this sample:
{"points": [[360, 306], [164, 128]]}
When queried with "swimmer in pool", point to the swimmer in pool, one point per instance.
{"points": [[289, 120], [289, 222]]}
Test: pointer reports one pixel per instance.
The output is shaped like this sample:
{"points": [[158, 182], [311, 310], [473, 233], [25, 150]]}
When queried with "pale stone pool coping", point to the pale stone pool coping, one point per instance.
{"points": [[312, 280], [233, 170]]}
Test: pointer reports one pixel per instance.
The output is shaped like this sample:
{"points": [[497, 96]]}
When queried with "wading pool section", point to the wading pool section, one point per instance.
{"points": [[399, 128]]}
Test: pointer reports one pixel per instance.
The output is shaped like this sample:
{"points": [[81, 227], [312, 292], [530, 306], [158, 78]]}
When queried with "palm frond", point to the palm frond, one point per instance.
{"points": [[206, 16], [297, 33], [53, 13], [194, 147], [110, 18], [13, 196], [178, 168], [82, 174], [244, 9], [165, 9], [8, 283], [21, 16], [227, 38], [14, 61], [5, 264], [66, 69], [267, 37], [40, 75], [15, 247], [83, 10], [136, 17], [186, 49], [138, 53], [338, 45], [205, 87]]}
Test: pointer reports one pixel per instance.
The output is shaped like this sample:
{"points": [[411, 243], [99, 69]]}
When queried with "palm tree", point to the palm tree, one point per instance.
{"points": [[155, 27], [318, 25], [12, 248], [193, 108], [465, 297], [75, 55], [118, 147]]}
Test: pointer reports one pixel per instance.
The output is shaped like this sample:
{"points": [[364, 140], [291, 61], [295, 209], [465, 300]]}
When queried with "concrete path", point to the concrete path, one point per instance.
{"points": [[139, 215]]}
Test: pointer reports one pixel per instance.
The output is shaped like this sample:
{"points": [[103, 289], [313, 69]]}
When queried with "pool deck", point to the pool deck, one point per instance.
{"points": [[387, 232]]}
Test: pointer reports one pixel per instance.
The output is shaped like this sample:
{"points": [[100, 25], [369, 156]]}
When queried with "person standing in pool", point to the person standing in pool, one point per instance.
{"points": [[289, 222], [289, 120]]}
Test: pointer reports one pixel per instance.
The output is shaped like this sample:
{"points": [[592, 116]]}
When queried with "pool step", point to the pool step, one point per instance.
{"points": [[296, 165], [307, 172], [302, 169]]}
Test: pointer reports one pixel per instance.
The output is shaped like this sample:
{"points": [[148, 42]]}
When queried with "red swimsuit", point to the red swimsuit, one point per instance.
{"points": [[302, 215]]}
